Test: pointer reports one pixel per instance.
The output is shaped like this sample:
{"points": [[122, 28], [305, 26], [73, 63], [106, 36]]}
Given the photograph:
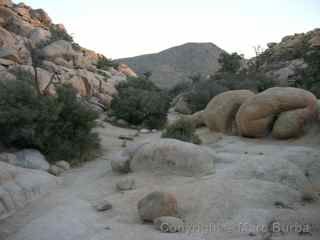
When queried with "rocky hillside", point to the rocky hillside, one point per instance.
{"points": [[178, 63], [30, 41], [281, 60]]}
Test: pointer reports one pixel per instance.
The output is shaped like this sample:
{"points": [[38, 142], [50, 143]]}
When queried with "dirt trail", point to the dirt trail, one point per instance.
{"points": [[67, 212]]}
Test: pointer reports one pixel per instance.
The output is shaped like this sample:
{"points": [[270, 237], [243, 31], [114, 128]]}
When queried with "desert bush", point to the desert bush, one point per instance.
{"points": [[230, 62], [182, 130], [140, 102], [59, 126], [141, 83], [106, 63], [181, 87]]}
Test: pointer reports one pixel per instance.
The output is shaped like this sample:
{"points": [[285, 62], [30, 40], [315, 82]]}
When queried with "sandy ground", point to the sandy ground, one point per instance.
{"points": [[68, 214]]}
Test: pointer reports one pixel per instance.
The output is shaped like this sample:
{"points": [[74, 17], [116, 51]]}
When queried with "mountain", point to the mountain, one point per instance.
{"points": [[178, 63]]}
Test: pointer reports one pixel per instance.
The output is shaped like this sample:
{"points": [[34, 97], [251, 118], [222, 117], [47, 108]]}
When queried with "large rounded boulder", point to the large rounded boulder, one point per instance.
{"points": [[289, 124], [257, 115], [220, 113], [170, 156]]}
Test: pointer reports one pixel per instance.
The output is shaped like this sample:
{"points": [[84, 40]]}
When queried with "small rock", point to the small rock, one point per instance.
{"points": [[120, 163], [169, 224], [55, 170], [112, 119], [63, 164], [279, 204], [125, 185], [124, 144], [125, 137], [144, 131], [157, 204], [137, 134], [103, 206], [309, 194], [122, 123]]}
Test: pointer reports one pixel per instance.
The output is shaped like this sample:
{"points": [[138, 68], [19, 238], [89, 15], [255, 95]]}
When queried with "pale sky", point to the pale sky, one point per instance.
{"points": [[125, 28]]}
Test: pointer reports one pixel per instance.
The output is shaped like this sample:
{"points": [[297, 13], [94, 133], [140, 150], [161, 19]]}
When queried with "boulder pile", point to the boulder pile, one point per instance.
{"points": [[282, 112]]}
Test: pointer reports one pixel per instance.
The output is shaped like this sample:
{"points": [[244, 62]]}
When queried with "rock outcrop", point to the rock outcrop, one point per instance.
{"points": [[282, 60], [19, 186], [257, 116], [24, 31]]}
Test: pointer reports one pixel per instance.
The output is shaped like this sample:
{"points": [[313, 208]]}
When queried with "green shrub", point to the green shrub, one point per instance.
{"points": [[140, 102], [106, 63], [182, 130], [59, 126], [181, 87], [141, 83], [230, 62]]}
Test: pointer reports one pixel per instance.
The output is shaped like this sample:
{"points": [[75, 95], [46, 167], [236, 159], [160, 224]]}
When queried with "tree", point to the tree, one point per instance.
{"points": [[141, 102], [230, 63]]}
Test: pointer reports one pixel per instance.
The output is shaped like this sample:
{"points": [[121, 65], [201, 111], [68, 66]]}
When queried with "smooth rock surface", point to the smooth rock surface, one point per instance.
{"points": [[256, 116], [33, 159], [19, 186], [220, 113]]}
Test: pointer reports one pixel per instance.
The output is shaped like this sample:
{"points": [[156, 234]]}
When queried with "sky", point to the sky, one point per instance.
{"points": [[126, 28]]}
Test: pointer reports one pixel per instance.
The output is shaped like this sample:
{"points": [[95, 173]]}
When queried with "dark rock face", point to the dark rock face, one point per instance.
{"points": [[178, 63]]}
